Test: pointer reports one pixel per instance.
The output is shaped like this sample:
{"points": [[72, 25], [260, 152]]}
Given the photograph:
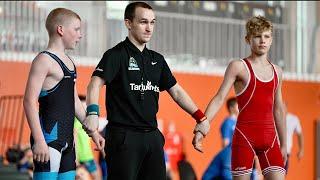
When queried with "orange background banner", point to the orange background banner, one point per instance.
{"points": [[302, 98]]}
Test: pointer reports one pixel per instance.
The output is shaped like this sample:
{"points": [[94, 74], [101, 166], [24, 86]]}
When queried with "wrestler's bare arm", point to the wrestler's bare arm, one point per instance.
{"points": [[80, 111], [278, 111], [39, 71], [232, 72]]}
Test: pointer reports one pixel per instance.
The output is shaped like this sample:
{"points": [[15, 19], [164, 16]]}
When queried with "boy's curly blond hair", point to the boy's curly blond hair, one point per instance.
{"points": [[257, 25]]}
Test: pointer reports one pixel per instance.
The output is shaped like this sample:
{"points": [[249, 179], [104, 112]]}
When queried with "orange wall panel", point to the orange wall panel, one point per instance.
{"points": [[302, 99]]}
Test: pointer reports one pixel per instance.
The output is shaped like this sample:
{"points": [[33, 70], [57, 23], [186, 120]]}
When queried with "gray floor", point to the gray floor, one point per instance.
{"points": [[9, 172]]}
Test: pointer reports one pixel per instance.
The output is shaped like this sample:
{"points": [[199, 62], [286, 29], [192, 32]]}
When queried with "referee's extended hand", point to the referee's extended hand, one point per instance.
{"points": [[197, 141], [203, 127], [91, 123]]}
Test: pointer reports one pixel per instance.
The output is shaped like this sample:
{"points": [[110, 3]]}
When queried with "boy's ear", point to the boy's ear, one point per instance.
{"points": [[247, 39], [60, 30]]}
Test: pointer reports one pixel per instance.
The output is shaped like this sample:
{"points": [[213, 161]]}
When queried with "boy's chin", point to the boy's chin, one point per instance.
{"points": [[70, 48], [260, 53]]}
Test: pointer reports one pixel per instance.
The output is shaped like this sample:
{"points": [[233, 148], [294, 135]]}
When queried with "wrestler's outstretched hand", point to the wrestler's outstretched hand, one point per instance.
{"points": [[197, 141], [99, 141]]}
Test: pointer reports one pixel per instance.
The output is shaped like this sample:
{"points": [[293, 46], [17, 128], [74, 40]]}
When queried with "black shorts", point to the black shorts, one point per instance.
{"points": [[61, 164]]}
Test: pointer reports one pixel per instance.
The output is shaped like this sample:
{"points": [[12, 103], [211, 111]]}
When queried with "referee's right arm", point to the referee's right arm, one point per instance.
{"points": [[93, 91]]}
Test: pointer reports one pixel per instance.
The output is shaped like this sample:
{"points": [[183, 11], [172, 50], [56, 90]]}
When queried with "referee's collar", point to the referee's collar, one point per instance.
{"points": [[133, 47]]}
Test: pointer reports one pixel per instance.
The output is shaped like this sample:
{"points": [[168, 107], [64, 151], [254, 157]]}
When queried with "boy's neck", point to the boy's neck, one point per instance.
{"points": [[258, 58], [56, 46]]}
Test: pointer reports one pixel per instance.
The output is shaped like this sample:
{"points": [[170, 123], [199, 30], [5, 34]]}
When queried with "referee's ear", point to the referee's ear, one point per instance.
{"points": [[128, 24]]}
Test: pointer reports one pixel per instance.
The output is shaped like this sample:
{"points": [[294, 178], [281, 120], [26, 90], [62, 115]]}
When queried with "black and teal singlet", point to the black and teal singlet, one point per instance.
{"points": [[56, 107], [57, 112]]}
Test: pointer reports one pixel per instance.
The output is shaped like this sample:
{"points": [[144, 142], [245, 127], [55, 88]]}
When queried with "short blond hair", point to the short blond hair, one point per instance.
{"points": [[257, 25], [59, 16]]}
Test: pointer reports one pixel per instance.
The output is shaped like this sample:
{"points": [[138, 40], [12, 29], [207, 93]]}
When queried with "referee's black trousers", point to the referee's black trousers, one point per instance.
{"points": [[134, 155]]}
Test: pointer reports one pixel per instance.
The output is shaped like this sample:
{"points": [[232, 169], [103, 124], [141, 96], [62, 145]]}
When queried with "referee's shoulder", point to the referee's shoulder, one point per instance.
{"points": [[114, 51]]}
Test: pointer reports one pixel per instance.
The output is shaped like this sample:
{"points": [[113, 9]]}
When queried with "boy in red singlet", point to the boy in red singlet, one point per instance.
{"points": [[257, 84]]}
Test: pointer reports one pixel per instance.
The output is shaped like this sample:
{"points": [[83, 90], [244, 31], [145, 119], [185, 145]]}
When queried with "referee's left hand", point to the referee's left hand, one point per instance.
{"points": [[203, 127]]}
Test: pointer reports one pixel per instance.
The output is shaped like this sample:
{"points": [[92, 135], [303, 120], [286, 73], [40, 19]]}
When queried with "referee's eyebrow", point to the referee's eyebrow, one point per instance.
{"points": [[145, 19]]}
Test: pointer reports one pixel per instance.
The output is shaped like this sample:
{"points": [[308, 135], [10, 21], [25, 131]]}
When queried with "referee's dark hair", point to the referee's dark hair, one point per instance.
{"points": [[131, 8], [231, 102]]}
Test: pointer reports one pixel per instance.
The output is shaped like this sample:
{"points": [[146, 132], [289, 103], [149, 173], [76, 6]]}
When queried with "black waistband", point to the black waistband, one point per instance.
{"points": [[131, 128]]}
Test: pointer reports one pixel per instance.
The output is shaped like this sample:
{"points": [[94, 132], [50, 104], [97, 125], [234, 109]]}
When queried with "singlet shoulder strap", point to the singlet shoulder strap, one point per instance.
{"points": [[74, 66], [276, 77], [59, 61], [56, 58], [249, 67]]}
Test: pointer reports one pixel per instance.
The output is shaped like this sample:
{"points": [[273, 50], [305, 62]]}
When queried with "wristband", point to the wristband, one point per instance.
{"points": [[199, 116], [93, 109]]}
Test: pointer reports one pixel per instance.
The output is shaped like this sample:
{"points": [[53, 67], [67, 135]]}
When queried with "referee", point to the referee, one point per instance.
{"points": [[134, 76]]}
